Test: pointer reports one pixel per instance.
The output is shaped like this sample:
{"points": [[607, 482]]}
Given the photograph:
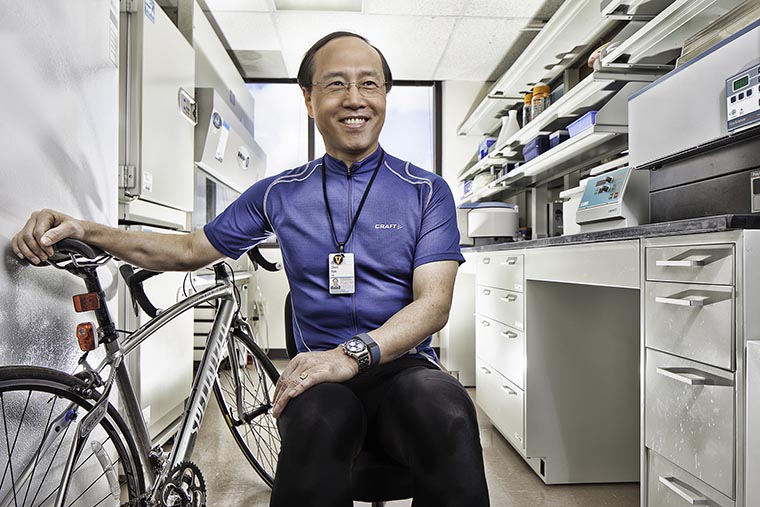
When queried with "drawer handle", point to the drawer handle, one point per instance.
{"points": [[486, 292], [669, 483], [509, 391], [485, 370], [486, 260], [680, 264], [485, 323], [509, 334], [511, 260], [675, 374], [509, 298], [696, 302]]}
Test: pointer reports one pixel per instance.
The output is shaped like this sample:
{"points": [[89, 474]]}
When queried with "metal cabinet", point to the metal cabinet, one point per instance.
{"points": [[698, 296], [500, 344]]}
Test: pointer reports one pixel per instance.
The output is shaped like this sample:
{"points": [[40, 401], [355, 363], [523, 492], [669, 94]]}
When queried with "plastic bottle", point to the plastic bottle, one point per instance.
{"points": [[540, 100], [509, 126], [526, 113]]}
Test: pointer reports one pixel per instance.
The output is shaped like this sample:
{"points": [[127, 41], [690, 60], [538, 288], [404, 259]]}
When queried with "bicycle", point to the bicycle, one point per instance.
{"points": [[62, 442]]}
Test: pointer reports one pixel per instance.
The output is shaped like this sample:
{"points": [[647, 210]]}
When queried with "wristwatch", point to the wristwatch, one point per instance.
{"points": [[357, 349]]}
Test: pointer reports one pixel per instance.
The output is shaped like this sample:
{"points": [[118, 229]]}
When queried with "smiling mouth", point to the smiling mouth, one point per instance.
{"points": [[354, 121]]}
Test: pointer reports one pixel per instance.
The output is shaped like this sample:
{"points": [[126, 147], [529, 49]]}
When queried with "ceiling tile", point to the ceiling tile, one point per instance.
{"points": [[248, 30], [261, 64], [416, 8], [239, 5], [476, 48], [413, 45], [502, 8]]}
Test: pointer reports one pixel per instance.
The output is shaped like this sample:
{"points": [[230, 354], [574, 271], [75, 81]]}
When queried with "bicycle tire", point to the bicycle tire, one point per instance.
{"points": [[258, 438], [33, 401]]}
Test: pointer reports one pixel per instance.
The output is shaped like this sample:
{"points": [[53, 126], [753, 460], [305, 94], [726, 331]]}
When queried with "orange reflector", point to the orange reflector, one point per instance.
{"points": [[86, 302], [86, 336]]}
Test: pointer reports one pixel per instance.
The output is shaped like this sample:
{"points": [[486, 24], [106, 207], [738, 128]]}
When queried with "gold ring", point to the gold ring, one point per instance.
{"points": [[303, 375]]}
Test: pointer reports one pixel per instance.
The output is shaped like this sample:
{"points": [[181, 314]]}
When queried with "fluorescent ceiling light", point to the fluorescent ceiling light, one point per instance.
{"points": [[318, 5]]}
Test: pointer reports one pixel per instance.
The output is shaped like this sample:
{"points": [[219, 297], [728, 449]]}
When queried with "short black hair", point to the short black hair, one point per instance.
{"points": [[306, 70]]}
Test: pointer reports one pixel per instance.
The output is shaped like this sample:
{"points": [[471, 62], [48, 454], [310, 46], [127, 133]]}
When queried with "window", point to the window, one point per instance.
{"points": [[282, 125]]}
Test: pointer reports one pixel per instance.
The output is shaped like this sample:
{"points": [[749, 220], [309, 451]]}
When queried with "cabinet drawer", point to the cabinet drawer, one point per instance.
{"points": [[692, 321], [671, 486], [693, 263], [501, 346], [504, 271], [504, 306], [502, 401], [690, 417]]}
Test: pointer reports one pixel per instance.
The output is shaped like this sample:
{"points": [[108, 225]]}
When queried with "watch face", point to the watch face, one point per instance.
{"points": [[355, 346]]}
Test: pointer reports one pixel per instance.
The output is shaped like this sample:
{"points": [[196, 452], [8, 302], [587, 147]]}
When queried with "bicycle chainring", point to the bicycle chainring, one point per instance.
{"points": [[184, 487]]}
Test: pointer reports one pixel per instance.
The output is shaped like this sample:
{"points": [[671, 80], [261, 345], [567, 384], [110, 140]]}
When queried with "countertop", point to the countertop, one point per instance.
{"points": [[717, 223]]}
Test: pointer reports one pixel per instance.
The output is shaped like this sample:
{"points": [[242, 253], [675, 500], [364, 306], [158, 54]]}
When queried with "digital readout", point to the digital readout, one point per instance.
{"points": [[740, 83]]}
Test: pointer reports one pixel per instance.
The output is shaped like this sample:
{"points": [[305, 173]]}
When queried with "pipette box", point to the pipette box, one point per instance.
{"points": [[583, 123]]}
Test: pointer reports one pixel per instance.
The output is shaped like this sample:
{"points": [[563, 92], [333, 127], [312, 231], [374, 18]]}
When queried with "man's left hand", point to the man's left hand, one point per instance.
{"points": [[308, 369]]}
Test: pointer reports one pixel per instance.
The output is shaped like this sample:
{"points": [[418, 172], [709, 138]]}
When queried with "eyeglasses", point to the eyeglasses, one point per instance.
{"points": [[366, 87]]}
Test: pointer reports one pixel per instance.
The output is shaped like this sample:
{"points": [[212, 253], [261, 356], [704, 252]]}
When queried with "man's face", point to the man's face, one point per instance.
{"points": [[349, 122]]}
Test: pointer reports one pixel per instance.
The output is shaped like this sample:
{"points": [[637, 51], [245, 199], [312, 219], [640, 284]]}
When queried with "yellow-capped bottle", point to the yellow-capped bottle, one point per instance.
{"points": [[541, 100]]}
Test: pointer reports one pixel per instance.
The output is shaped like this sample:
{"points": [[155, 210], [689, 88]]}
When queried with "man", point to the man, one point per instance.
{"points": [[386, 231]]}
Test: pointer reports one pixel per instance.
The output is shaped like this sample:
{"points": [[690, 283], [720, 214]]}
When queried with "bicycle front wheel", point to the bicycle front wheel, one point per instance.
{"points": [[41, 409], [245, 388]]}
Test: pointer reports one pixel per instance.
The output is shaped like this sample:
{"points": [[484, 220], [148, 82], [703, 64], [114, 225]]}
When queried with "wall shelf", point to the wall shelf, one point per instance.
{"points": [[657, 42], [481, 165], [576, 24]]}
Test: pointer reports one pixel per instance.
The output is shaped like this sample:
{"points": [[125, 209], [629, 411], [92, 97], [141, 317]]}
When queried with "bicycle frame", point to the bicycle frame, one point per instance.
{"points": [[203, 381]]}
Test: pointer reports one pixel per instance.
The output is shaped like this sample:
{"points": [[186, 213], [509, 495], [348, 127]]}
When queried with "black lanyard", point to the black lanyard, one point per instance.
{"points": [[358, 210]]}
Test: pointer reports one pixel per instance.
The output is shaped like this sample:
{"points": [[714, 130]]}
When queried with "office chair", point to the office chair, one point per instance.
{"points": [[376, 477]]}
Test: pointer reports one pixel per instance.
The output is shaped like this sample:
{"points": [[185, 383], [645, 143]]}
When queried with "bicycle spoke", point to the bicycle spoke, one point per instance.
{"points": [[37, 455]]}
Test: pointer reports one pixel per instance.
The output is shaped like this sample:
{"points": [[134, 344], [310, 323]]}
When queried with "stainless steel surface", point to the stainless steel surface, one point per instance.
{"points": [[155, 137], [223, 146], [502, 401], [703, 331], [713, 264], [692, 95], [501, 270], [502, 305], [692, 425], [752, 443], [502, 347], [671, 486], [58, 149]]}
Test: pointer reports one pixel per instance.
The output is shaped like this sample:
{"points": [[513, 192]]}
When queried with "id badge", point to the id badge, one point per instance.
{"points": [[341, 273]]}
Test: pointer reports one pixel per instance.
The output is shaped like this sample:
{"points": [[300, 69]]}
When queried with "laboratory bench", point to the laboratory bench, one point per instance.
{"points": [[619, 355]]}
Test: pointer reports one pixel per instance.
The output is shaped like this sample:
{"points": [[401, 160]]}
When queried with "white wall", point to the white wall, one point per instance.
{"points": [[458, 151]]}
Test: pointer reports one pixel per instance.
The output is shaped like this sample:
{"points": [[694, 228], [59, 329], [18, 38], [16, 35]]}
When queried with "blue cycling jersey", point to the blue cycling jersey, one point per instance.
{"points": [[408, 219]]}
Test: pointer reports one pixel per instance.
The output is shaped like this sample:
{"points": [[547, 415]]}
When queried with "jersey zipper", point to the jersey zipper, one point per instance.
{"points": [[349, 214]]}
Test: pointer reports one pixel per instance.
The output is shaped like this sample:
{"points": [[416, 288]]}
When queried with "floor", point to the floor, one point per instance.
{"points": [[230, 480]]}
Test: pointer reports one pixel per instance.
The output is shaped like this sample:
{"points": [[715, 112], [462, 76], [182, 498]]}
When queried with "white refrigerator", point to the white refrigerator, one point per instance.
{"points": [[156, 183]]}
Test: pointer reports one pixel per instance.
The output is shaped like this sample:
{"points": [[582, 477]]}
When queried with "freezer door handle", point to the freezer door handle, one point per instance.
{"points": [[485, 370], [692, 301], [509, 334], [687, 376], [486, 292], [485, 323], [511, 260], [509, 298], [486, 260], [690, 498]]}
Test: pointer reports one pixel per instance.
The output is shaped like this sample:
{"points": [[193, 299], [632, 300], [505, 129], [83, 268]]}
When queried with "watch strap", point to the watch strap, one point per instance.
{"points": [[372, 346]]}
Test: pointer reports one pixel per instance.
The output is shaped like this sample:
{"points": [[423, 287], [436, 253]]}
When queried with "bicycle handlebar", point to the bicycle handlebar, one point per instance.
{"points": [[134, 280], [258, 260]]}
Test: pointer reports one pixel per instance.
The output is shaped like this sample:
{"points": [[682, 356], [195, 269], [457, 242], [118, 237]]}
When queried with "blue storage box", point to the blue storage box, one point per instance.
{"points": [[536, 147], [485, 147], [557, 137], [584, 122]]}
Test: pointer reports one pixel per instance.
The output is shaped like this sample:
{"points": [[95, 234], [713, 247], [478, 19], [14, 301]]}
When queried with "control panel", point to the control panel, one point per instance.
{"points": [[755, 191], [743, 99], [604, 189]]}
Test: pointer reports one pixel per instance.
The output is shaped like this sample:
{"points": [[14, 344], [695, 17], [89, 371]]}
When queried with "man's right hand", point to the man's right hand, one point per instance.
{"points": [[44, 228]]}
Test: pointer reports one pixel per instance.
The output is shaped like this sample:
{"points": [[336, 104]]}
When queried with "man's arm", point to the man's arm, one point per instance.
{"points": [[154, 251], [433, 286]]}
